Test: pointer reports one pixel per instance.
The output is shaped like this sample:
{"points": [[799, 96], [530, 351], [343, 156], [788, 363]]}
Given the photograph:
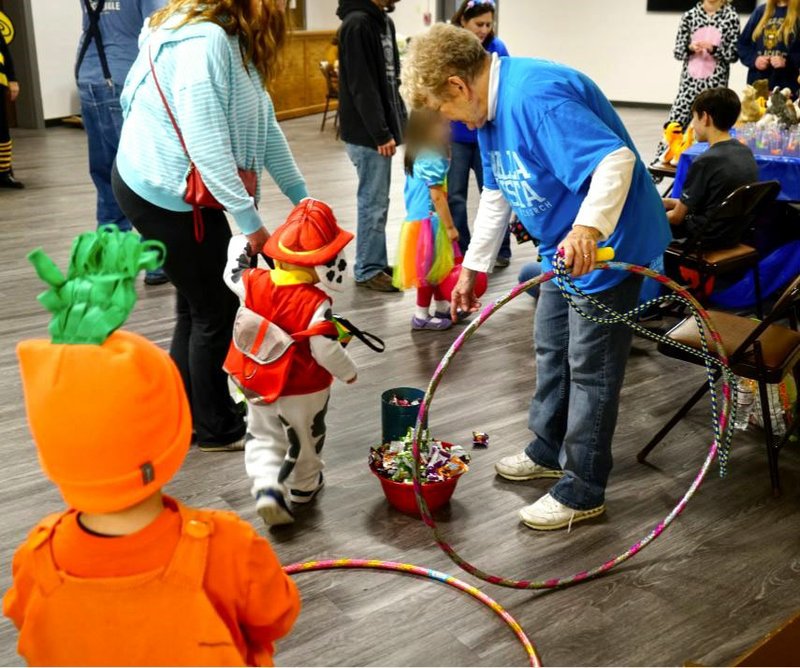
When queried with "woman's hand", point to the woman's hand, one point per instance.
{"points": [[762, 63], [778, 62], [452, 234], [256, 240], [580, 249], [13, 90], [463, 297], [694, 47]]}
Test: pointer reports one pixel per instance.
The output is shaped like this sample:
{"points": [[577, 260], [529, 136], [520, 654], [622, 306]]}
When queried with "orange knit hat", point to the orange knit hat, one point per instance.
{"points": [[310, 237], [107, 409]]}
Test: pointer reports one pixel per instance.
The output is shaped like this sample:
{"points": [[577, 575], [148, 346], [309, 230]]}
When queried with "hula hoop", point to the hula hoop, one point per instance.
{"points": [[418, 571], [722, 422]]}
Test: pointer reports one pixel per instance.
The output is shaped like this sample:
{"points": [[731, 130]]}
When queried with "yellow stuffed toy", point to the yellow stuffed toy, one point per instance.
{"points": [[673, 138]]}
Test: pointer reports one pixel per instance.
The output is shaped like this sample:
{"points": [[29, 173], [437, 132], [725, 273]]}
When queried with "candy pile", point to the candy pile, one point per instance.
{"points": [[405, 403], [439, 462]]}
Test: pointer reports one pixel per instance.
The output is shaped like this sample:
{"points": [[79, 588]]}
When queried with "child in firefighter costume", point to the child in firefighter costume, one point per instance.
{"points": [[126, 575], [285, 354]]}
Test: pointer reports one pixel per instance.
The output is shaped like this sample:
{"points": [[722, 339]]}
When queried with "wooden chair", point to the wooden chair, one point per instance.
{"points": [[763, 351], [332, 81], [737, 214]]}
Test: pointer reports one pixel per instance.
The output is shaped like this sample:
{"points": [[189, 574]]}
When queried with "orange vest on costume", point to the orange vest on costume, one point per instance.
{"points": [[291, 308], [161, 618]]}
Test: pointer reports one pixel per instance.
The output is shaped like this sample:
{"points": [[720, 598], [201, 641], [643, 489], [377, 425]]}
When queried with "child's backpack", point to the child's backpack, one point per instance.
{"points": [[161, 618]]}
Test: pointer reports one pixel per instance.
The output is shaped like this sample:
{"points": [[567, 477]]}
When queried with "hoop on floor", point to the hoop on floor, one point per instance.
{"points": [[722, 421], [410, 569]]}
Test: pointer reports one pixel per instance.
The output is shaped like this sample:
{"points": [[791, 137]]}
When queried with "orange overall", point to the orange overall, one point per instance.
{"points": [[194, 608]]}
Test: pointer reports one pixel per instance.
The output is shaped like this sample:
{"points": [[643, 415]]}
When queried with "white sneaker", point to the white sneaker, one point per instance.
{"points": [[272, 508], [521, 467], [548, 514]]}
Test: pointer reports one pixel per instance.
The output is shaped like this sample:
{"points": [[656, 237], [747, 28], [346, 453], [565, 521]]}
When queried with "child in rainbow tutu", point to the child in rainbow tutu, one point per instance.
{"points": [[426, 251]]}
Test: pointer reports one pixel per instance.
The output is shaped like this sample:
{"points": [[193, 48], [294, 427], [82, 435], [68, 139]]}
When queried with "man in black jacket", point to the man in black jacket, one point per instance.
{"points": [[372, 117]]}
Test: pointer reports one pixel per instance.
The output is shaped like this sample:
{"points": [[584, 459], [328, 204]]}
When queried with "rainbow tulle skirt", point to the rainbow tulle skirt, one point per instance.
{"points": [[424, 255]]}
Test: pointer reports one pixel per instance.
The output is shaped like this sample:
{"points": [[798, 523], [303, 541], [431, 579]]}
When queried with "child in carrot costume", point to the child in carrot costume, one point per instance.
{"points": [[127, 575], [285, 354]]}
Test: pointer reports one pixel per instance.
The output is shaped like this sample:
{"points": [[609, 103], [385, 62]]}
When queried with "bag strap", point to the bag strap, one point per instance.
{"points": [[372, 341], [166, 104], [326, 328], [93, 33]]}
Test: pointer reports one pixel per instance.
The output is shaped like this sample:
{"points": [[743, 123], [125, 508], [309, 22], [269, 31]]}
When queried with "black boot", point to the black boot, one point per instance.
{"points": [[8, 181]]}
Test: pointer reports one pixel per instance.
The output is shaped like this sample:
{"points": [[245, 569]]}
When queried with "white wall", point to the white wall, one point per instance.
{"points": [[57, 30], [624, 48], [408, 16], [321, 15]]}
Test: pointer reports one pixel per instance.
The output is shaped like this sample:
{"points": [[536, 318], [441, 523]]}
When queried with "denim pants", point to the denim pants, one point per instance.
{"points": [[205, 308], [102, 119], [580, 367], [463, 158], [374, 181]]}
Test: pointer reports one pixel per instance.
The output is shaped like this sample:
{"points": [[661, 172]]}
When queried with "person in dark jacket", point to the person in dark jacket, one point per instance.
{"points": [[769, 45], [372, 117], [8, 82]]}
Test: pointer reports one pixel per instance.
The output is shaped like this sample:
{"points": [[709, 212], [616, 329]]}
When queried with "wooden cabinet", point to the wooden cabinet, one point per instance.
{"points": [[300, 89]]}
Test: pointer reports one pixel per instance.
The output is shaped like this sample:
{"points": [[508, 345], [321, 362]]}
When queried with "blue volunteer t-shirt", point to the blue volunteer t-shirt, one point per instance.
{"points": [[120, 24], [430, 170], [552, 128]]}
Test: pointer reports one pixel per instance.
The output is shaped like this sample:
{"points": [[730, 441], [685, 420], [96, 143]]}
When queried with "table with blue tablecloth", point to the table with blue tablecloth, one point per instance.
{"points": [[783, 169]]}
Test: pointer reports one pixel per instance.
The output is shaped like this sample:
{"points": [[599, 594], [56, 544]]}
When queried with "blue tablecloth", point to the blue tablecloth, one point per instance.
{"points": [[784, 169]]}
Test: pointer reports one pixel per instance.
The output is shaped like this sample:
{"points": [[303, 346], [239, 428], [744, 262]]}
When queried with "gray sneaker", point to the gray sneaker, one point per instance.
{"points": [[522, 467], [380, 282]]}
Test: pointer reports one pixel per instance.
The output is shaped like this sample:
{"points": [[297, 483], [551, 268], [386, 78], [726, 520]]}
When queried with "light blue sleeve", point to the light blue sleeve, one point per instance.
{"points": [[431, 169], [201, 83], [569, 140], [280, 162]]}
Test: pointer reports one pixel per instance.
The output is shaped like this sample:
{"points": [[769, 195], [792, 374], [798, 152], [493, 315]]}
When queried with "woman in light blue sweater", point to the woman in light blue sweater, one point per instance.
{"points": [[212, 59]]}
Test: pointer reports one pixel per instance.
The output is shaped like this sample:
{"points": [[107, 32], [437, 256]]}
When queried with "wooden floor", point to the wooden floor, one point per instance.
{"points": [[723, 575]]}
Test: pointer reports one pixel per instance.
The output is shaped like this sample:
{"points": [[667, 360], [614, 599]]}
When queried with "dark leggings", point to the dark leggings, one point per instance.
{"points": [[205, 308]]}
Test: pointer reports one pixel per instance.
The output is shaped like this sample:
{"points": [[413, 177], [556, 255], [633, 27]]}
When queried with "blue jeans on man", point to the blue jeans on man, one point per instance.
{"points": [[580, 367], [102, 119], [463, 159], [374, 181]]}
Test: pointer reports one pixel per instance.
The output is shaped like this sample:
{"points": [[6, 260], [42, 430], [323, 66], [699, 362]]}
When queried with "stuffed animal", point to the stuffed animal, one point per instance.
{"points": [[688, 140], [762, 89], [751, 109], [782, 109], [673, 138]]}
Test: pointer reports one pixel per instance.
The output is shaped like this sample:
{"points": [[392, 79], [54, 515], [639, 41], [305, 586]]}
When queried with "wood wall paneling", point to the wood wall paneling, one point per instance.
{"points": [[300, 89]]}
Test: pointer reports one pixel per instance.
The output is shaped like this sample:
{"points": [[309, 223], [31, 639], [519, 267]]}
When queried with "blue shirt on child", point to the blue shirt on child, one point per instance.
{"points": [[553, 126], [430, 170]]}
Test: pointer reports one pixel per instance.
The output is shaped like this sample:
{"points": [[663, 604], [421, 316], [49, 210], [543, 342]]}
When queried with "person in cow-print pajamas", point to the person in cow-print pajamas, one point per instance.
{"points": [[722, 19]]}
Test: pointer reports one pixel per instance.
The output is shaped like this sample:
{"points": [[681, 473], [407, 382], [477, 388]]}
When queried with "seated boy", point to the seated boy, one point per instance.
{"points": [[714, 175], [127, 575]]}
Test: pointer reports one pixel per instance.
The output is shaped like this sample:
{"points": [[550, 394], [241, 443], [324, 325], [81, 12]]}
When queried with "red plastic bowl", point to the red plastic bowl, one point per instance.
{"points": [[401, 494]]}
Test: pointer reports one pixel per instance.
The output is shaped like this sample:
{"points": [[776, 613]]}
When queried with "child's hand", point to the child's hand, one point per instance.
{"points": [[352, 380], [452, 234], [778, 62], [762, 63]]}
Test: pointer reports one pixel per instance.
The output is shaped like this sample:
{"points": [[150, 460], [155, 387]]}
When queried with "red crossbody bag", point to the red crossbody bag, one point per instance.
{"points": [[197, 193]]}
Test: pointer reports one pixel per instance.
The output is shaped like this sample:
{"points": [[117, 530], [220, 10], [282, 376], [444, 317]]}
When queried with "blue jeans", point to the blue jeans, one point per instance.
{"points": [[580, 366], [463, 158], [529, 271], [102, 119], [374, 181]]}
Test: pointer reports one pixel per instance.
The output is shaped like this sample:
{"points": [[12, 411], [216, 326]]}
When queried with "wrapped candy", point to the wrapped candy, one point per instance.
{"points": [[438, 462], [480, 439]]}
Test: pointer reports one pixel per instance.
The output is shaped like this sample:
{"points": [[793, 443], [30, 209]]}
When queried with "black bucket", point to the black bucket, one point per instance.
{"points": [[395, 420]]}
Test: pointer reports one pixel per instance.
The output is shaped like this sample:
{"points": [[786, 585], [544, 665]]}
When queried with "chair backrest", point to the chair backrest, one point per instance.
{"points": [[329, 72], [737, 214], [789, 300]]}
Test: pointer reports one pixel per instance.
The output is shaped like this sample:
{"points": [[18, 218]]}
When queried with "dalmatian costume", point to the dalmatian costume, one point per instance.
{"points": [[722, 29], [288, 392]]}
